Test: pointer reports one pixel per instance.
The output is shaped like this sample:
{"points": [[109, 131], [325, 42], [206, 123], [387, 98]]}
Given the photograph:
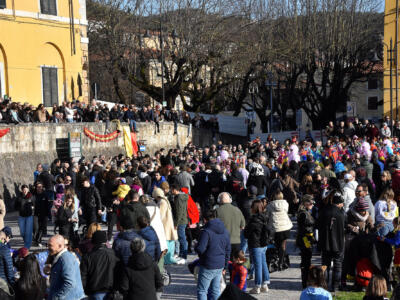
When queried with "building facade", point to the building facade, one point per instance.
{"points": [[391, 34], [44, 51]]}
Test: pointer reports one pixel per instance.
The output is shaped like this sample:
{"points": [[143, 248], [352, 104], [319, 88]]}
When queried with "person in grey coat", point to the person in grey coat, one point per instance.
{"points": [[184, 178]]}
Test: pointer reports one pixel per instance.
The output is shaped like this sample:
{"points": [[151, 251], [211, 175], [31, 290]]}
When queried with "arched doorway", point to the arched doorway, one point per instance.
{"points": [[3, 72]]}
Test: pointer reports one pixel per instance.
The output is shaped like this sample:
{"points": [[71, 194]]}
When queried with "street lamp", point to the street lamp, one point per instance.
{"points": [[270, 83], [390, 50]]}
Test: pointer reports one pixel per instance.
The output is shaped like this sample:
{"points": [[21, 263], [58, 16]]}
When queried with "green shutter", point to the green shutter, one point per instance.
{"points": [[2, 4], [54, 86], [52, 7]]}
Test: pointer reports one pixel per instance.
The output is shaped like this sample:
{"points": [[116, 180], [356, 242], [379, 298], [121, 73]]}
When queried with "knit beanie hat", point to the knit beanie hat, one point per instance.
{"points": [[99, 237], [127, 223], [362, 205]]}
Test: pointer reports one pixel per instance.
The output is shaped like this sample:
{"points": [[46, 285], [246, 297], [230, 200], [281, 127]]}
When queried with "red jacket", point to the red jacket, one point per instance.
{"points": [[192, 210]]}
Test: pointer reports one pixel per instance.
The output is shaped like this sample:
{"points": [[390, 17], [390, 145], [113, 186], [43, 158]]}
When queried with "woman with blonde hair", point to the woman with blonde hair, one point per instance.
{"points": [[86, 245], [385, 212], [67, 215], [377, 289], [279, 221]]}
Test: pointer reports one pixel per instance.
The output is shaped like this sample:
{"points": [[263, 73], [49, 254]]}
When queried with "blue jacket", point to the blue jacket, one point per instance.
{"points": [[122, 245], [6, 264], [312, 293], [65, 279], [150, 237], [214, 246]]}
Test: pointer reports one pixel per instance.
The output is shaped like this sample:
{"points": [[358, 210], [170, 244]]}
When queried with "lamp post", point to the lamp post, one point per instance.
{"points": [[269, 83], [390, 50]]}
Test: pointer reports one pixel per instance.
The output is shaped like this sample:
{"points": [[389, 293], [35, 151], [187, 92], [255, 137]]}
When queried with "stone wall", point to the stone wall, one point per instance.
{"points": [[26, 145]]}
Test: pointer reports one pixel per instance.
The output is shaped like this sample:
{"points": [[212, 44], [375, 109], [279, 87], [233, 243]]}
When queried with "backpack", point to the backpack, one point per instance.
{"points": [[237, 186], [364, 272]]}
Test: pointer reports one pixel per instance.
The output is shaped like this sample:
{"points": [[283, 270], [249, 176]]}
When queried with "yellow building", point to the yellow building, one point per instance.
{"points": [[391, 34], [43, 51]]}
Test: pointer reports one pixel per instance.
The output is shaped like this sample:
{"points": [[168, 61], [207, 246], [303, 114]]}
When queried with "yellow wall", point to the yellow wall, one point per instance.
{"points": [[390, 29], [28, 42]]}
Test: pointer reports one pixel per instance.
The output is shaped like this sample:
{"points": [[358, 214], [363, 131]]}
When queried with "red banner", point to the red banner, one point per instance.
{"points": [[134, 143], [101, 137], [3, 132]]}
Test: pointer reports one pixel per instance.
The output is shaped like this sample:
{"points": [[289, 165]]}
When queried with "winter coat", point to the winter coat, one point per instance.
{"points": [[166, 215], [48, 180], [257, 232], [122, 191], [368, 167], [278, 216], [290, 186], [133, 210], [331, 223], [313, 293], [2, 212], [90, 199], [6, 264], [65, 278], [146, 182], [371, 209], [62, 220], [149, 235], [122, 244], [25, 205], [180, 209], [245, 206], [156, 223], [233, 220], [396, 181], [97, 270], [354, 219], [349, 193], [184, 179], [214, 247], [41, 205], [305, 225], [383, 214], [140, 278]]}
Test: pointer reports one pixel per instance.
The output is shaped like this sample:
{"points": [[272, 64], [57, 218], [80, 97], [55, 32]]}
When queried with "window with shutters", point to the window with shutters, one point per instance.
{"points": [[2, 4], [48, 7], [50, 86]]}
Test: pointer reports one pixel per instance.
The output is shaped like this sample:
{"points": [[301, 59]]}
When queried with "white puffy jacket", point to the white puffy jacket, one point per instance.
{"points": [[349, 193], [278, 218]]}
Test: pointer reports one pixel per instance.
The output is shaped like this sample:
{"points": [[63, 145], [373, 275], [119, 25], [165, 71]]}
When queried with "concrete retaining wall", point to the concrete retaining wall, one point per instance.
{"points": [[26, 145]]}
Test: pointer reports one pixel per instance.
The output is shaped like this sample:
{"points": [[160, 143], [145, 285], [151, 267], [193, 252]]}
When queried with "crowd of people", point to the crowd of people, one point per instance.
{"points": [[232, 205], [76, 111]]}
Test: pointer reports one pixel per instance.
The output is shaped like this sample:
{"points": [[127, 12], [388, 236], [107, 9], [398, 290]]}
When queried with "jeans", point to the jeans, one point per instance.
{"points": [[209, 279], [132, 125], [337, 258], [175, 127], [97, 296], [388, 227], [169, 257], [243, 242], [260, 264], [183, 245], [26, 229]]}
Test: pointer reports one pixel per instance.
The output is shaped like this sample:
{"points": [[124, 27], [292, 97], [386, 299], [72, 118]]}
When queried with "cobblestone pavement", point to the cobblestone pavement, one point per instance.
{"points": [[285, 285]]}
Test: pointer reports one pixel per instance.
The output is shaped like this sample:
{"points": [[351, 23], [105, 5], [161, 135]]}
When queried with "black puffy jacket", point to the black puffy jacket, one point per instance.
{"points": [[257, 231], [305, 223], [97, 270], [91, 198], [141, 278]]}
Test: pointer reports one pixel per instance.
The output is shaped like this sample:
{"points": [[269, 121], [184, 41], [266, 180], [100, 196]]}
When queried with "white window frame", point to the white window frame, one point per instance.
{"points": [[40, 9], [2, 80]]}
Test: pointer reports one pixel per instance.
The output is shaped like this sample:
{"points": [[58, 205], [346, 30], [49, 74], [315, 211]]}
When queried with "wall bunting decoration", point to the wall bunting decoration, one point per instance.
{"points": [[101, 137]]}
